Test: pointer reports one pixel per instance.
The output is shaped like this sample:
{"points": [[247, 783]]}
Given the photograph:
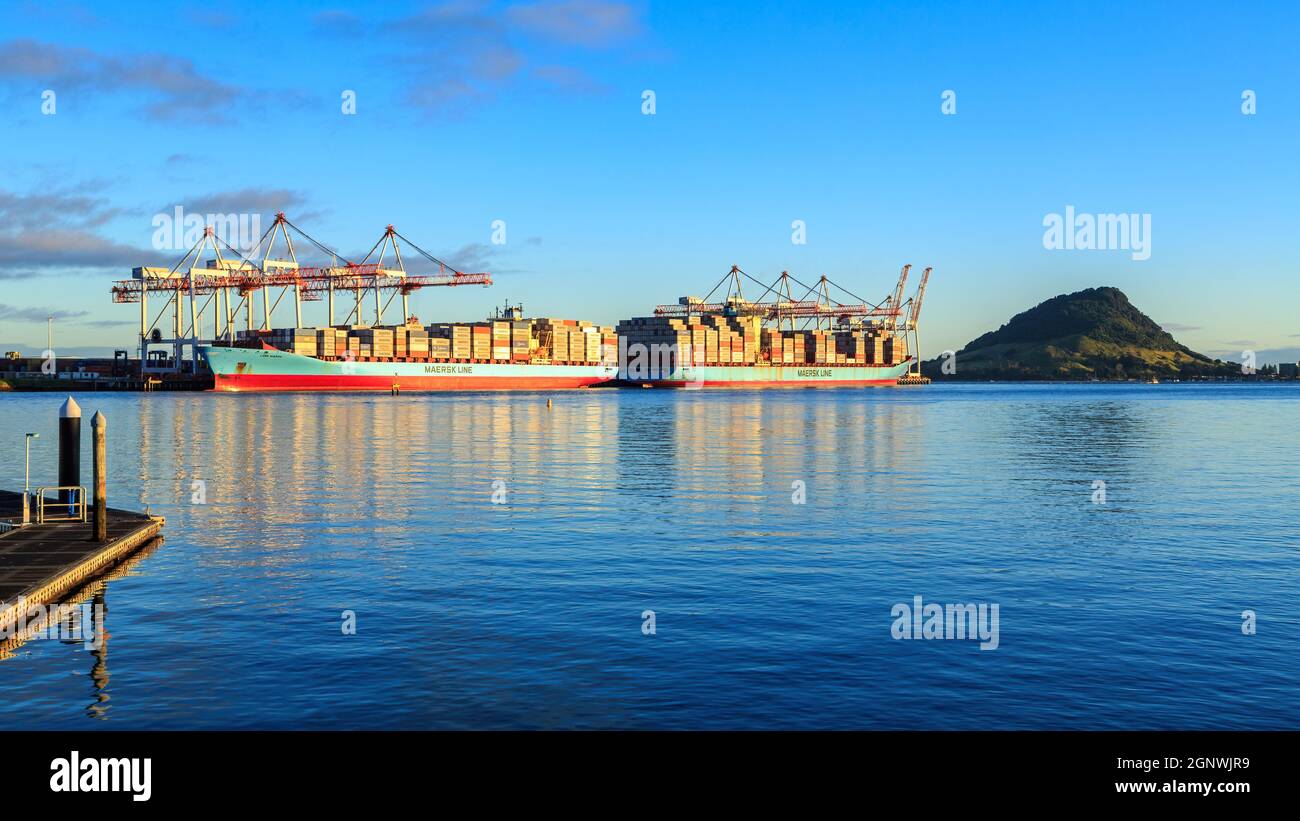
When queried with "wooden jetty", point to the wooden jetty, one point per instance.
{"points": [[92, 591], [39, 563]]}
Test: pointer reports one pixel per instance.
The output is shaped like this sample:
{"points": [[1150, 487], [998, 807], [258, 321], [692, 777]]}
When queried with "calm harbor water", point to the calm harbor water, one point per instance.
{"points": [[767, 613]]}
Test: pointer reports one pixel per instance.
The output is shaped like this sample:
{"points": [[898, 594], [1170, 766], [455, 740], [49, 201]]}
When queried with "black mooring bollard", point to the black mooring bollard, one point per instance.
{"points": [[69, 450]]}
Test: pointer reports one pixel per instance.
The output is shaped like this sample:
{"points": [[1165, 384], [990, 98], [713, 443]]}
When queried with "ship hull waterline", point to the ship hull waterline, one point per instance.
{"points": [[237, 370], [778, 376], [249, 369]]}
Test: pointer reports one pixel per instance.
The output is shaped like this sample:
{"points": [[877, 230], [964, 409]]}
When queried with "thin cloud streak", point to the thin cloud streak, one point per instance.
{"points": [[177, 88], [176, 91], [589, 23], [13, 313], [58, 232], [487, 57]]}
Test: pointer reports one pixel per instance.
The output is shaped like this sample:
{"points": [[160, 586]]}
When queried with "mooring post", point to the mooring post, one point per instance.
{"points": [[27, 476], [69, 450], [99, 436]]}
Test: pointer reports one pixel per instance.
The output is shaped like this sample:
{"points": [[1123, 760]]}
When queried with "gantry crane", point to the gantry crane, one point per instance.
{"points": [[896, 299], [911, 324], [784, 307], [226, 275], [895, 315]]}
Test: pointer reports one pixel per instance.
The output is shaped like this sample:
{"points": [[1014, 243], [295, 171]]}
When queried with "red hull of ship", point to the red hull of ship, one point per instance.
{"points": [[821, 383], [356, 382]]}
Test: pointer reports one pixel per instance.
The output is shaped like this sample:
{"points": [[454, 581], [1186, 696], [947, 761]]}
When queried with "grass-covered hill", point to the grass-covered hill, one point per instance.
{"points": [[1094, 333]]}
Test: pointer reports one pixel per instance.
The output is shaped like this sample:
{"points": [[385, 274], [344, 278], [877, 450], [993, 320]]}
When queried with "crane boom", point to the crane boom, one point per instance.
{"points": [[897, 301], [916, 300], [772, 310], [244, 275], [783, 305]]}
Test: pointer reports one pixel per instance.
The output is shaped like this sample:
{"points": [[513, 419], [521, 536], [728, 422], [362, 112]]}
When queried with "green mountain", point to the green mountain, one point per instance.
{"points": [[1094, 333]]}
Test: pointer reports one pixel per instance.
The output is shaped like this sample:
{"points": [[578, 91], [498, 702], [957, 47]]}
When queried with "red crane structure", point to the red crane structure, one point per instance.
{"points": [[814, 305], [226, 276]]}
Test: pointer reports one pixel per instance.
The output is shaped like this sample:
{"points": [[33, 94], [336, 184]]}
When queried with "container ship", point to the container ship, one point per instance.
{"points": [[739, 343], [776, 340], [508, 353]]}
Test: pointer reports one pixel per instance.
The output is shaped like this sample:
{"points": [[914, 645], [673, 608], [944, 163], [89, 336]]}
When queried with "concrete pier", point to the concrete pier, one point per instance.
{"points": [[41, 562]]}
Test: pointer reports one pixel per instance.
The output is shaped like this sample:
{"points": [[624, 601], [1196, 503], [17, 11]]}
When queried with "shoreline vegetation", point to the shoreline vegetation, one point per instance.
{"points": [[1258, 378], [1093, 335]]}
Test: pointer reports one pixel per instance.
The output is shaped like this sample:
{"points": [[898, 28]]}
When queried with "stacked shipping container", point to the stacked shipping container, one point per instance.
{"points": [[716, 339], [709, 339], [524, 340]]}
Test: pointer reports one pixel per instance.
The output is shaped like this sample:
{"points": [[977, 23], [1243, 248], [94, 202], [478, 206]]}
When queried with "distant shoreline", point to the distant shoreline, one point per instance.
{"points": [[89, 386], [1172, 381]]}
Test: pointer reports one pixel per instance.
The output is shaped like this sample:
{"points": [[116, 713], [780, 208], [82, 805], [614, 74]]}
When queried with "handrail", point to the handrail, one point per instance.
{"points": [[76, 507]]}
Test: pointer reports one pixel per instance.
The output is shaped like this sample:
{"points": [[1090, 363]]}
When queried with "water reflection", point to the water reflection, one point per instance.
{"points": [[98, 709], [1067, 447], [752, 450], [771, 612], [86, 628], [274, 464], [1082, 435]]}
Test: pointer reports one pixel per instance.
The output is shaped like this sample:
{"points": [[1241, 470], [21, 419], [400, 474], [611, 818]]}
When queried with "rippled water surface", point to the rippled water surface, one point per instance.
{"points": [[767, 613]]}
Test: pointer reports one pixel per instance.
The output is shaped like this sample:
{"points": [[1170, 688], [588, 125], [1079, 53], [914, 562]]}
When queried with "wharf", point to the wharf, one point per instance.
{"points": [[165, 382], [39, 563]]}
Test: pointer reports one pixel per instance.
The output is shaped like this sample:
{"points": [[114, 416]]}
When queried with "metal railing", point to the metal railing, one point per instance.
{"points": [[75, 507]]}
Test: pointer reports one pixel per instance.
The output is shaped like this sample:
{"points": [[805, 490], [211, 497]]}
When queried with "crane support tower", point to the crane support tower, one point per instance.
{"points": [[229, 281]]}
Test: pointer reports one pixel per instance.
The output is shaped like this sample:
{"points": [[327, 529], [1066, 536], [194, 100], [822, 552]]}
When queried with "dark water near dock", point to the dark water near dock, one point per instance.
{"points": [[767, 613]]}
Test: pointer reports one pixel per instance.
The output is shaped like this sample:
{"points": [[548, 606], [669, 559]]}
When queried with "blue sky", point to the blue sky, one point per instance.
{"points": [[766, 113]]}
